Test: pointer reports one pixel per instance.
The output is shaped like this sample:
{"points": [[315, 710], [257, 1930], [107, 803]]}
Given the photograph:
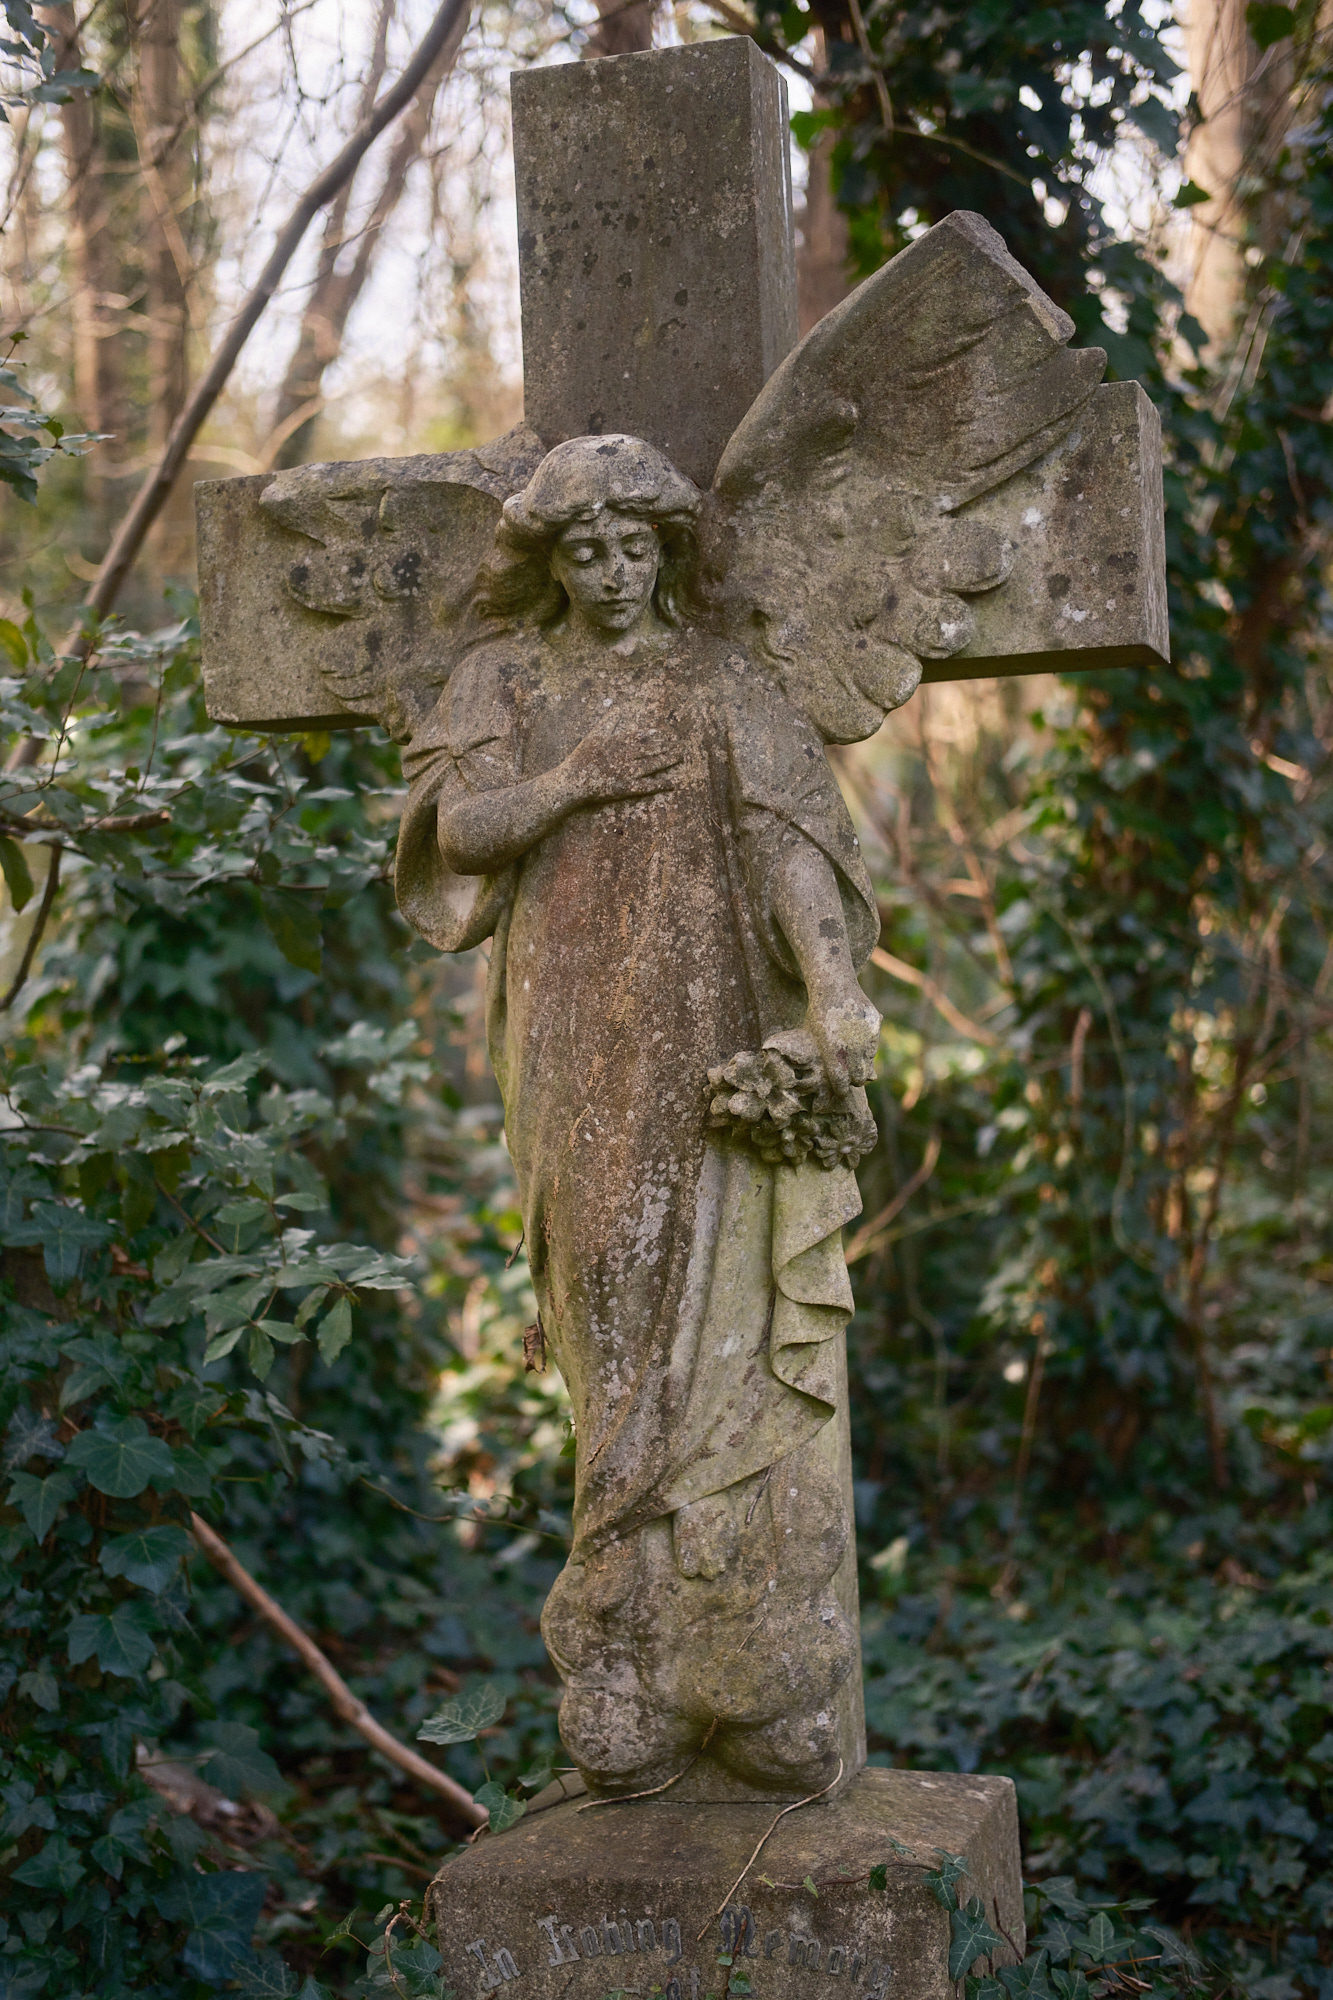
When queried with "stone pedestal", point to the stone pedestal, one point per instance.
{"points": [[635, 1897]]}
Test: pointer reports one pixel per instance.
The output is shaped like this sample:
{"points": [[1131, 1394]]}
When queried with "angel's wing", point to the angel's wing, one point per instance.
{"points": [[366, 570], [839, 536]]}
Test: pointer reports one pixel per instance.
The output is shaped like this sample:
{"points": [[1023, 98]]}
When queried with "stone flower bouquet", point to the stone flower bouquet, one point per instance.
{"points": [[777, 1099]]}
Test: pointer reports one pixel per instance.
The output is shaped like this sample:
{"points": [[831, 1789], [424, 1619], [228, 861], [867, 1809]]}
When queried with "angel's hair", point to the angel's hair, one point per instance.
{"points": [[577, 483]]}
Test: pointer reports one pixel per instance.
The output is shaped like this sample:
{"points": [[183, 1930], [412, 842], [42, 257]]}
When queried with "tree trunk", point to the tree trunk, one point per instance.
{"points": [[1245, 98], [95, 275], [164, 165], [334, 292], [622, 29], [821, 250]]}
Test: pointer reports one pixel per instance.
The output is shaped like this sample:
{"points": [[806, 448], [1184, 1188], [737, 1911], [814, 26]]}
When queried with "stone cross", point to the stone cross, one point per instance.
{"points": [[614, 644], [658, 296]]}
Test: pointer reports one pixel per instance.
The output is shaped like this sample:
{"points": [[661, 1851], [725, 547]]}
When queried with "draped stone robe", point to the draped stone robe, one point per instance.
{"points": [[690, 1294]]}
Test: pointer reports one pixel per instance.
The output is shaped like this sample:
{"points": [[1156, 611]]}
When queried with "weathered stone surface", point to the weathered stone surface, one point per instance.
{"points": [[615, 689], [550, 1907], [655, 232], [1085, 528], [654, 837], [336, 595], [913, 478]]}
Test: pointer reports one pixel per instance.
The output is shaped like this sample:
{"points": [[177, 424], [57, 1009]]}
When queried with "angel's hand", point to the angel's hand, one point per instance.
{"points": [[847, 1034], [621, 757]]}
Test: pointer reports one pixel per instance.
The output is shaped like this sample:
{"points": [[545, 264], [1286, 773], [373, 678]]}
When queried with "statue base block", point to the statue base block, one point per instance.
{"points": [[636, 1897]]}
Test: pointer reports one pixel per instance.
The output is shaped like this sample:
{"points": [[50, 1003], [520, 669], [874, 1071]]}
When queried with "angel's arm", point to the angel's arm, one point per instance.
{"points": [[482, 831], [808, 906]]}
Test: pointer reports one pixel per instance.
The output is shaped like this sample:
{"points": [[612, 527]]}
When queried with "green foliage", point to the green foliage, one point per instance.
{"points": [[460, 1721], [31, 74], [1082, 1950], [23, 451], [1090, 1364], [1092, 1410], [203, 1310]]}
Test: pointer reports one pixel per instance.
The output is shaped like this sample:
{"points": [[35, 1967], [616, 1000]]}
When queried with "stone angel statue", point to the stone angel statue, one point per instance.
{"points": [[618, 776]]}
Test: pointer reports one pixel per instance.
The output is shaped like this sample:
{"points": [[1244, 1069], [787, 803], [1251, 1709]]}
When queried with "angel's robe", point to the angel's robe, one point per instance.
{"points": [[689, 1291]]}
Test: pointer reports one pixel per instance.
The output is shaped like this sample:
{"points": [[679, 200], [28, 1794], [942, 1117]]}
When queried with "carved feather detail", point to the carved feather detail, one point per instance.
{"points": [[838, 539]]}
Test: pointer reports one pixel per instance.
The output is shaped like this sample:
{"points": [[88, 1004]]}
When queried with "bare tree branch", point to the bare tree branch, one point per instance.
{"points": [[335, 1687], [153, 494], [334, 293]]}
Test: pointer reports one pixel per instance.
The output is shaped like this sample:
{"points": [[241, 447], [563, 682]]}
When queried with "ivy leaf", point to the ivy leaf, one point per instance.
{"points": [[120, 1457], [1099, 1940], [221, 1912], [264, 1976], [41, 1687], [940, 1881], [18, 876], [64, 1234], [148, 1556], [32, 1434], [335, 1330], [294, 922], [119, 1638], [1190, 194], [970, 1938], [56, 1865], [879, 1876], [1028, 1980], [419, 1960], [464, 1717], [41, 1500], [103, 1362], [1269, 24], [504, 1811], [235, 1763], [1070, 1985], [1061, 1891], [20, 1187], [24, 1808]]}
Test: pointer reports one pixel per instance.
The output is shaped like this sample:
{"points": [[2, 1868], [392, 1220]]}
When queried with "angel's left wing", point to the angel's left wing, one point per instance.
{"points": [[892, 469], [332, 595]]}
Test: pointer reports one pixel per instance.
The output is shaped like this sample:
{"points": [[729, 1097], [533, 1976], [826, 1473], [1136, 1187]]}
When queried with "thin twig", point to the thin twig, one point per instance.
{"points": [[344, 1701], [865, 1237], [24, 829], [834, 1780], [961, 146], [876, 71], [35, 934], [911, 975], [473, 1520], [396, 1861], [654, 1791]]}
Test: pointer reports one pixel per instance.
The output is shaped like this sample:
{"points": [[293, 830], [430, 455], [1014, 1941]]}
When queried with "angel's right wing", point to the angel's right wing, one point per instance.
{"points": [[841, 539]]}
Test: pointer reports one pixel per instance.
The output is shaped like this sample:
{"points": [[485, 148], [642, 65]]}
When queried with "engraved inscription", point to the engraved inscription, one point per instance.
{"points": [[495, 1975], [621, 1935]]}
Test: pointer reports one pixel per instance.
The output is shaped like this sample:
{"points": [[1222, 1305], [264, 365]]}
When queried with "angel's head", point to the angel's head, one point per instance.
{"points": [[603, 530]]}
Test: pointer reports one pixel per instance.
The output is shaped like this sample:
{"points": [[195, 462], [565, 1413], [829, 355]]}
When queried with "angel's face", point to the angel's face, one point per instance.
{"points": [[608, 568]]}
